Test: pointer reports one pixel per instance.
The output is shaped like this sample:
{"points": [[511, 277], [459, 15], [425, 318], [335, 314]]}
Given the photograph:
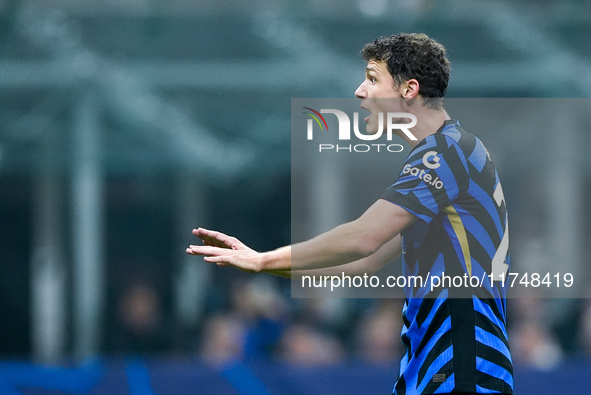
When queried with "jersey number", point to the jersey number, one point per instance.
{"points": [[498, 265]]}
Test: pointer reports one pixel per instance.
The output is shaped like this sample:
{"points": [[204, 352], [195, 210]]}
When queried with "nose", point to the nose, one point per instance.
{"points": [[361, 92]]}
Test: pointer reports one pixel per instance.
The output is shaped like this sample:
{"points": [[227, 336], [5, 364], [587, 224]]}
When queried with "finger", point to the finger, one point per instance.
{"points": [[208, 242], [202, 232], [212, 237], [221, 239], [220, 260], [216, 243], [209, 250], [190, 248], [205, 244], [215, 235]]}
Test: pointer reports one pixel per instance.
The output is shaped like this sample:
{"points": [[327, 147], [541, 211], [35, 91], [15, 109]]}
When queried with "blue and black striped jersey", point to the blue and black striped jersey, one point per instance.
{"points": [[454, 332]]}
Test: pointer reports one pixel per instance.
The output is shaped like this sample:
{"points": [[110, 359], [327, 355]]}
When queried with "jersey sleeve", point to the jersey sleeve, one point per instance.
{"points": [[432, 178]]}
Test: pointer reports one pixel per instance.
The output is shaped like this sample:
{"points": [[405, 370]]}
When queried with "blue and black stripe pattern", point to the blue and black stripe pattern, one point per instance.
{"points": [[454, 334]]}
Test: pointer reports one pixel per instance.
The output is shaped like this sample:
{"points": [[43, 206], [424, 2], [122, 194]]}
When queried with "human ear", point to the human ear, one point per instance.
{"points": [[411, 89]]}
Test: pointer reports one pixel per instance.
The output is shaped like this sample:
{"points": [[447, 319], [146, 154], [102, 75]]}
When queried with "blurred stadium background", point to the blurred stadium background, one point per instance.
{"points": [[125, 124]]}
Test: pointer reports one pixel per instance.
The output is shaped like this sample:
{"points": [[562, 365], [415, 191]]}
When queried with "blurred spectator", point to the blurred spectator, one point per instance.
{"points": [[333, 315], [377, 332], [261, 307], [536, 346], [252, 326], [223, 339], [304, 345], [141, 327], [258, 297], [533, 342]]}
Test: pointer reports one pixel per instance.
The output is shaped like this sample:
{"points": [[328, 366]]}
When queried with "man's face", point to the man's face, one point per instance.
{"points": [[378, 84]]}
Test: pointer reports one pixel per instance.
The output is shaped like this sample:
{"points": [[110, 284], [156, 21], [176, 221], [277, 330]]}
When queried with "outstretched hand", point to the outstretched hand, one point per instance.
{"points": [[225, 250]]}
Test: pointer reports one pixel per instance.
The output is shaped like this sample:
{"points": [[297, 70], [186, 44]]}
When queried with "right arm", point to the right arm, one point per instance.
{"points": [[347, 243], [369, 265]]}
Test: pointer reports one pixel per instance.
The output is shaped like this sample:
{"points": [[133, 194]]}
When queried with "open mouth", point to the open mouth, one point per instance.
{"points": [[367, 117]]}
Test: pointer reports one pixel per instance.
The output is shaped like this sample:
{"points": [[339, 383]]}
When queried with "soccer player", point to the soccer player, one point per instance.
{"points": [[446, 214]]}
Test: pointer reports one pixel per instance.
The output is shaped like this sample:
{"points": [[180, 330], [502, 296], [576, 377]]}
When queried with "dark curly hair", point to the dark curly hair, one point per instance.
{"points": [[412, 55]]}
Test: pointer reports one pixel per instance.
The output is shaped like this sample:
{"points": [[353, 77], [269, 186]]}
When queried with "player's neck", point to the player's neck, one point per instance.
{"points": [[428, 122]]}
